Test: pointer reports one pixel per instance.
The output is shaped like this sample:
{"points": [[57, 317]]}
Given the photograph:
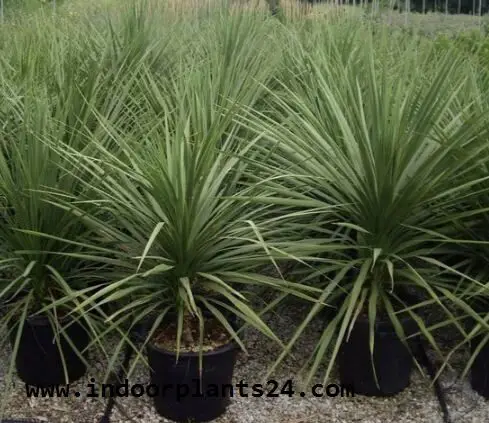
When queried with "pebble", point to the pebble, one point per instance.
{"points": [[417, 404]]}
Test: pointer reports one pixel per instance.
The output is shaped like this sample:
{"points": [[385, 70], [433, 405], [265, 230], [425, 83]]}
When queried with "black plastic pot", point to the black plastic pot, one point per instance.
{"points": [[392, 359], [38, 359], [479, 372], [180, 394], [186, 396]]}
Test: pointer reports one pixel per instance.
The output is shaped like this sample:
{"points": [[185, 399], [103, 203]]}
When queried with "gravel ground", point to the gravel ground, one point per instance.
{"points": [[416, 404]]}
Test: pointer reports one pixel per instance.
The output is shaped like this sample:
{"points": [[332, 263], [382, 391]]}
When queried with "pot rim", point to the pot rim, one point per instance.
{"points": [[231, 345], [42, 319]]}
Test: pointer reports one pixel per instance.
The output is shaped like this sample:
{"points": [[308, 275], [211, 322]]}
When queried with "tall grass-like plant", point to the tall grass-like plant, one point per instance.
{"points": [[469, 257], [37, 271], [54, 86], [174, 194], [394, 150]]}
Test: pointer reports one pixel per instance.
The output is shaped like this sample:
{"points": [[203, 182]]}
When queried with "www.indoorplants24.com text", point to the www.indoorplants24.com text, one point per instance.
{"points": [[270, 389]]}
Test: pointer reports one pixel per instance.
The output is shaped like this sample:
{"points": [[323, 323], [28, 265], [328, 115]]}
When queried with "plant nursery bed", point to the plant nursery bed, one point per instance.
{"points": [[416, 404]]}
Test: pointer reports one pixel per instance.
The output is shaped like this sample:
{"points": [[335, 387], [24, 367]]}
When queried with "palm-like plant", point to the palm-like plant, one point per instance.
{"points": [[50, 100], [189, 243], [37, 270], [394, 149], [469, 257]]}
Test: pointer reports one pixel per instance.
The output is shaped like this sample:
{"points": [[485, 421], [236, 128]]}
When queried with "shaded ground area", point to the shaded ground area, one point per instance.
{"points": [[416, 404]]}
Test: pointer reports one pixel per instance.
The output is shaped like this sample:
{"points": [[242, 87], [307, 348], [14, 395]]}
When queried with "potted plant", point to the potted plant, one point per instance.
{"points": [[39, 271], [473, 303], [382, 152], [473, 299], [193, 244]]}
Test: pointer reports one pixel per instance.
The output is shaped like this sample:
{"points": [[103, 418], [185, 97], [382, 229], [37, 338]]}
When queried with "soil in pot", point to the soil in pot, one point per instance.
{"points": [[393, 361], [39, 361], [180, 392]]}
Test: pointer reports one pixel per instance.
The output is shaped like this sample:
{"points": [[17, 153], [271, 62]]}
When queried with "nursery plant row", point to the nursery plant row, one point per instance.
{"points": [[168, 179]]}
